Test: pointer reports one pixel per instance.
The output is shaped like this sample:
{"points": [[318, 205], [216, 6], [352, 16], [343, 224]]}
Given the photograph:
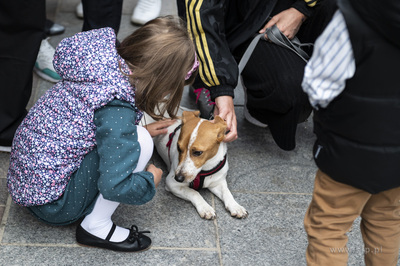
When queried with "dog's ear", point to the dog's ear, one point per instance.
{"points": [[221, 128], [187, 115], [219, 120]]}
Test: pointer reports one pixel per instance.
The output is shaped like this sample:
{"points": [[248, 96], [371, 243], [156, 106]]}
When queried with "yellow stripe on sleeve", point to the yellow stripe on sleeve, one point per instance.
{"points": [[206, 69], [311, 3]]}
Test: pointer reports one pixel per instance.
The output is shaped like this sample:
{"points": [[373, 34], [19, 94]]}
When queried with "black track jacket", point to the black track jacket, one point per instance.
{"points": [[219, 27]]}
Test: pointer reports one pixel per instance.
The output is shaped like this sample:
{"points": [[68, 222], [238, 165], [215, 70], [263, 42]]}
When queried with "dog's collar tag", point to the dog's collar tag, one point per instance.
{"points": [[198, 182]]}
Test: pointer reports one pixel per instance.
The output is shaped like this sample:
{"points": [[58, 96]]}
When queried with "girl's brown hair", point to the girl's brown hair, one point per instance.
{"points": [[160, 54]]}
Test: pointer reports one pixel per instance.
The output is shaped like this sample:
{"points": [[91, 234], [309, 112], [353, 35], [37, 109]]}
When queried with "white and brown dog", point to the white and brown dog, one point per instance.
{"points": [[196, 157]]}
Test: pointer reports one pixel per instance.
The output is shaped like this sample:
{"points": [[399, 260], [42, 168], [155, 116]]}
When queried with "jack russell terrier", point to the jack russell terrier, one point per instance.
{"points": [[196, 158]]}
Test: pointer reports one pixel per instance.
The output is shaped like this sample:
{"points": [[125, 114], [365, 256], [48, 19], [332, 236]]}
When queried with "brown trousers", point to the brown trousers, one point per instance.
{"points": [[331, 213]]}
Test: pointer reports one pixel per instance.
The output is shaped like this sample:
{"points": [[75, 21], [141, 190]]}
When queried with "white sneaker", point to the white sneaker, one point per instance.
{"points": [[5, 149], [44, 62], [146, 10], [79, 10]]}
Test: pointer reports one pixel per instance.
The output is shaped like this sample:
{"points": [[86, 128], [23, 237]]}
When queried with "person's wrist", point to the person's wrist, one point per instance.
{"points": [[300, 15]]}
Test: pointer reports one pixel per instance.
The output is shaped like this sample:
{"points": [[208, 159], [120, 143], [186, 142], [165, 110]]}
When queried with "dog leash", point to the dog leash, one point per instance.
{"points": [[277, 37]]}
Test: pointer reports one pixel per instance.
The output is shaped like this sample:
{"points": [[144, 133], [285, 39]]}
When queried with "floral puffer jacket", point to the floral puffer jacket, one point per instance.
{"points": [[58, 131]]}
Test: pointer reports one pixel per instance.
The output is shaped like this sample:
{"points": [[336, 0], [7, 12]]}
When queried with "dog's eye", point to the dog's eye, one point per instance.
{"points": [[197, 153]]}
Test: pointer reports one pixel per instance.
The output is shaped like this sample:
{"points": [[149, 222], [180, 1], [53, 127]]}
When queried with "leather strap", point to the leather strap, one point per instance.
{"points": [[111, 232], [249, 51], [277, 37]]}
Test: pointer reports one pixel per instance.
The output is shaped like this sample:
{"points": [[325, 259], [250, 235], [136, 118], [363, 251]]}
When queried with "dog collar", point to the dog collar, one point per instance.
{"points": [[198, 182]]}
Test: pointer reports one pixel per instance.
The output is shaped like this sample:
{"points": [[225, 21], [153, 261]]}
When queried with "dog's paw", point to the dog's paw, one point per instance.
{"points": [[206, 212], [237, 211]]}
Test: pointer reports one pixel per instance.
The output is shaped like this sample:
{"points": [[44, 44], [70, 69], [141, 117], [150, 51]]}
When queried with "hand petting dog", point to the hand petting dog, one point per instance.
{"points": [[159, 127], [155, 129]]}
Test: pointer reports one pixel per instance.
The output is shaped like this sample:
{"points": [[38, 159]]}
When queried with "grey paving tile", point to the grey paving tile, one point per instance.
{"points": [[272, 234], [173, 222], [128, 6], [69, 7], [283, 178], [4, 162], [22, 228], [169, 8], [258, 164], [35, 85], [58, 255], [3, 191], [2, 208], [126, 27]]}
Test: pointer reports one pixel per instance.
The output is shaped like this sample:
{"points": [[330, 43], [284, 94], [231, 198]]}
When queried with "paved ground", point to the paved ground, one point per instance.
{"points": [[275, 186]]}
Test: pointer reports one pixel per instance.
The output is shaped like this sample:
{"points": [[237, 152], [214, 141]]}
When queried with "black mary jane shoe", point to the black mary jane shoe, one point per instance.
{"points": [[135, 242]]}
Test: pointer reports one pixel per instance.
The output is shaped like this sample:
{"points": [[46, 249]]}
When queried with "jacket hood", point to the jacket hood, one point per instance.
{"points": [[89, 56]]}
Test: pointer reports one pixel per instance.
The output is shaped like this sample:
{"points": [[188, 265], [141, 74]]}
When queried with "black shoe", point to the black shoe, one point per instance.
{"points": [[204, 102], [52, 28], [135, 242], [246, 112]]}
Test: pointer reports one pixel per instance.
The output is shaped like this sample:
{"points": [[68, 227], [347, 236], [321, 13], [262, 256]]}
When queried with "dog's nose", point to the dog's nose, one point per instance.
{"points": [[179, 178]]}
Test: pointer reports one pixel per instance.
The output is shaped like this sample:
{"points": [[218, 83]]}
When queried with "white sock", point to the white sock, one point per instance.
{"points": [[98, 222], [146, 148]]}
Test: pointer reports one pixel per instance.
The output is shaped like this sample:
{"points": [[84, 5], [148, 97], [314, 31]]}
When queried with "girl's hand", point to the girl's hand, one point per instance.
{"points": [[159, 127], [157, 173]]}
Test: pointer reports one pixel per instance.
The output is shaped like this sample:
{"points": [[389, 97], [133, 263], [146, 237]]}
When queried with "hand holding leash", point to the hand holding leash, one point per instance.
{"points": [[288, 22]]}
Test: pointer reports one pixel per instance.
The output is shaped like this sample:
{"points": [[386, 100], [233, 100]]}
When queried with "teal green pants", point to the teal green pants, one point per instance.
{"points": [[79, 197]]}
